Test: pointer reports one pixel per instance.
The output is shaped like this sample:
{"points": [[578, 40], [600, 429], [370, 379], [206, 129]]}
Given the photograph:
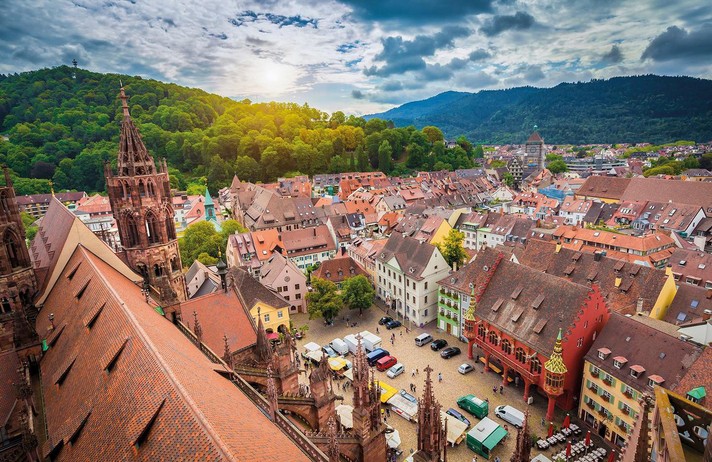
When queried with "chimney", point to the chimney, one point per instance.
{"points": [[706, 315], [454, 266], [639, 305], [558, 247], [597, 256]]}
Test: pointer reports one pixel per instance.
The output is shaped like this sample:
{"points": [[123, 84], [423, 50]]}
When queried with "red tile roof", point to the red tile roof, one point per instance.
{"points": [[159, 389], [221, 314], [338, 270]]}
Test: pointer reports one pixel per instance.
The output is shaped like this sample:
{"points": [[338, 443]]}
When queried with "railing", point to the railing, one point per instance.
{"points": [[608, 381], [202, 347], [512, 364]]}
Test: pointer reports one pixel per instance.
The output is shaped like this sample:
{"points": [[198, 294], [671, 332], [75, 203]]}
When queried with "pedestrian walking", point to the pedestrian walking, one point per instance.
{"points": [[412, 374], [388, 411], [494, 389], [543, 422], [474, 459], [414, 389], [440, 376], [377, 330], [401, 333], [501, 390], [417, 372]]}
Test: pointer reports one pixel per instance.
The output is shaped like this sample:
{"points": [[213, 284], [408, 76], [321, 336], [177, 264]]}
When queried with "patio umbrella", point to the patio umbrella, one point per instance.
{"points": [[567, 421], [568, 450], [612, 457], [587, 442], [551, 429]]}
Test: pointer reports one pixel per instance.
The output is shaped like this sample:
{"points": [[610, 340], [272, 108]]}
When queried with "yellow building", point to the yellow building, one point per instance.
{"points": [[628, 359], [261, 301]]}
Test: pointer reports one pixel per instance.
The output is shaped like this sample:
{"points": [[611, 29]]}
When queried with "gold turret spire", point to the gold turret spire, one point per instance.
{"points": [[555, 364], [470, 313]]}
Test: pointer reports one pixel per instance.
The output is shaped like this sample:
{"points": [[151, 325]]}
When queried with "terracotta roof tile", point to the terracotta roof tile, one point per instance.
{"points": [[203, 415]]}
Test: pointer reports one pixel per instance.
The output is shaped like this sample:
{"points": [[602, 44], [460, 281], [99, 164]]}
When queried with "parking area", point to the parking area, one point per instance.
{"points": [[452, 386]]}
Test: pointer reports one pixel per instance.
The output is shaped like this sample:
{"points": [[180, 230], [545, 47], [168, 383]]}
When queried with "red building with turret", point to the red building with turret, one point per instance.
{"points": [[533, 328]]}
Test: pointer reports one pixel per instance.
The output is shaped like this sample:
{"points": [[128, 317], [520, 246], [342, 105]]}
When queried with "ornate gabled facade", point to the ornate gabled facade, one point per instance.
{"points": [[140, 199], [17, 278], [432, 436]]}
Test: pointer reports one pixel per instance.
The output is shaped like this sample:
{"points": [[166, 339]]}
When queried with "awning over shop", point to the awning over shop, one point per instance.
{"points": [[494, 438], [345, 413], [338, 363]]}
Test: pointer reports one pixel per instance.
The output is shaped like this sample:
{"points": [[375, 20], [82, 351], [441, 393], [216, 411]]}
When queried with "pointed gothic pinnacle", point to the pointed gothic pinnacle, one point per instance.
{"points": [[197, 330], [124, 101]]}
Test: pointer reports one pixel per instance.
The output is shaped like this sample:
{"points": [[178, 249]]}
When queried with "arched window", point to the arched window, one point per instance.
{"points": [[141, 189], [520, 355], [142, 270], [175, 265], [493, 338], [132, 237], [555, 380], [507, 347], [152, 228], [12, 249], [5, 306], [535, 366], [158, 270], [4, 204], [170, 226], [481, 331]]}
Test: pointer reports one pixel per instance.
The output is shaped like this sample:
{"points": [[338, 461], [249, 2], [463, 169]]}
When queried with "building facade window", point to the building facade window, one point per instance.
{"points": [[267, 318], [279, 313]]}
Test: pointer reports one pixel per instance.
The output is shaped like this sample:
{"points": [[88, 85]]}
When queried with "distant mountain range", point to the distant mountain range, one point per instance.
{"points": [[644, 108]]}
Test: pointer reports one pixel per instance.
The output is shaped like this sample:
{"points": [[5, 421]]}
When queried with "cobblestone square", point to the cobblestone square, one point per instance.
{"points": [[453, 385]]}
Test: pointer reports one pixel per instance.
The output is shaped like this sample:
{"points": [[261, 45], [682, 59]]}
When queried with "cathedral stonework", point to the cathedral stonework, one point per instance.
{"points": [[140, 199]]}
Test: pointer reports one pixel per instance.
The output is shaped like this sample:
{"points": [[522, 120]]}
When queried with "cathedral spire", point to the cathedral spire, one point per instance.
{"points": [[134, 158], [523, 449], [432, 438], [124, 102]]}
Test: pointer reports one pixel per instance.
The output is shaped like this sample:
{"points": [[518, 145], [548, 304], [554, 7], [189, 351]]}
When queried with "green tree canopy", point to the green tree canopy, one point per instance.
{"points": [[557, 166], [324, 301], [384, 157], [452, 249], [358, 293]]}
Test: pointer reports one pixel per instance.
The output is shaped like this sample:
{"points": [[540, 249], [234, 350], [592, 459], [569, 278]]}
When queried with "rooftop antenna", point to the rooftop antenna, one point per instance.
{"points": [[74, 72]]}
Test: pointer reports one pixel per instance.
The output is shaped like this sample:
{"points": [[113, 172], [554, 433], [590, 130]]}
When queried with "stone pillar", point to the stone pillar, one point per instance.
{"points": [[527, 384], [470, 345], [487, 357], [505, 374], [550, 408]]}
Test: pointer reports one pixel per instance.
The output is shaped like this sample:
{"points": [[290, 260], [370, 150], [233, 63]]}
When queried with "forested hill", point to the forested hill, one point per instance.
{"points": [[60, 128], [622, 109]]}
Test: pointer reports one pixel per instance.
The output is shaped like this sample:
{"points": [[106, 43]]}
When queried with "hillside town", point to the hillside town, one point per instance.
{"points": [[504, 312]]}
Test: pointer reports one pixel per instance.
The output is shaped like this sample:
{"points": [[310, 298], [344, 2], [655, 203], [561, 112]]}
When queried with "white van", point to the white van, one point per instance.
{"points": [[510, 415], [423, 339], [339, 346]]}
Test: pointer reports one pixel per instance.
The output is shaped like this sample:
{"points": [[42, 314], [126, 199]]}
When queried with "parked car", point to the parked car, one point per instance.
{"points": [[511, 415], [458, 416], [395, 371], [465, 368], [449, 352], [385, 320], [422, 339], [386, 363], [392, 324], [330, 352], [438, 344]]}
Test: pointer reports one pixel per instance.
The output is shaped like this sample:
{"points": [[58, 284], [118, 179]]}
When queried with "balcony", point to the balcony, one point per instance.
{"points": [[608, 381], [590, 404], [628, 394]]}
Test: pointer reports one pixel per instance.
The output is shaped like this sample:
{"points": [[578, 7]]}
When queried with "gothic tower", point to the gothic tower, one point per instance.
{"points": [[367, 426], [432, 436], [17, 278], [140, 197]]}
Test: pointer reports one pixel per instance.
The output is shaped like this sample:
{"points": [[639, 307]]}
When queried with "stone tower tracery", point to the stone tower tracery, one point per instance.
{"points": [[432, 436], [368, 428], [17, 278], [140, 198]]}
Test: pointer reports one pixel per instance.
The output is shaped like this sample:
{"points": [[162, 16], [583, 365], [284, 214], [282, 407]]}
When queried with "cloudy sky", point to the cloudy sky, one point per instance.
{"points": [[360, 56]]}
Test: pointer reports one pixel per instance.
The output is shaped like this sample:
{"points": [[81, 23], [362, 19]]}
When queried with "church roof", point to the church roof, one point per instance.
{"points": [[121, 382], [208, 199]]}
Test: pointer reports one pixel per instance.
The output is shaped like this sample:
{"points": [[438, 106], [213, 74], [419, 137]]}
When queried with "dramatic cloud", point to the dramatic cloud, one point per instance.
{"points": [[417, 11], [676, 43], [407, 55], [614, 56], [499, 24], [359, 56]]}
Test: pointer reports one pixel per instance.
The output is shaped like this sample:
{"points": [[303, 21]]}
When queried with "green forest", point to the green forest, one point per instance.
{"points": [[62, 127], [646, 108]]}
